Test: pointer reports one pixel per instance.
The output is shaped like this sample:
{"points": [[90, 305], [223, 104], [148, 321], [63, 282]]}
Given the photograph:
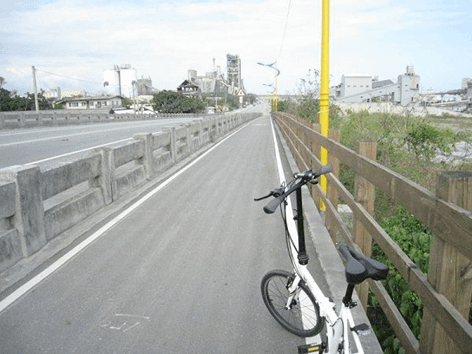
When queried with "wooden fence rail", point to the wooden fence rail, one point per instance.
{"points": [[447, 289]]}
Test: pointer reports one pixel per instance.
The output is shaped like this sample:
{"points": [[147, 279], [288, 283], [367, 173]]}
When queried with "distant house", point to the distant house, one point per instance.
{"points": [[100, 102], [189, 88]]}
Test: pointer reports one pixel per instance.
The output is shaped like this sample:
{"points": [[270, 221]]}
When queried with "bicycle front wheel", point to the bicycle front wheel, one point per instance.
{"points": [[302, 315]]}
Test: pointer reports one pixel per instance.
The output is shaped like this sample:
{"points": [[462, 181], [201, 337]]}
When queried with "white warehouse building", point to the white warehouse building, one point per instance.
{"points": [[355, 84], [121, 81], [365, 88]]}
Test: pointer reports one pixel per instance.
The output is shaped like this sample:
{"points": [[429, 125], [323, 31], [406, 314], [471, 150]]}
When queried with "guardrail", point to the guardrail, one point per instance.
{"points": [[447, 289], [39, 202], [28, 119]]}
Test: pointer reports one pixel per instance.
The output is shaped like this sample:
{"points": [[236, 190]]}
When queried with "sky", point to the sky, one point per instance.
{"points": [[72, 42]]}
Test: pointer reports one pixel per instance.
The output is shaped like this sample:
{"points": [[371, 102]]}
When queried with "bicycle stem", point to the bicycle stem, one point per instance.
{"points": [[302, 255]]}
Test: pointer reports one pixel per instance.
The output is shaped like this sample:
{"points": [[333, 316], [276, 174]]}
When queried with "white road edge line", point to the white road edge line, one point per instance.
{"points": [[15, 295], [291, 225]]}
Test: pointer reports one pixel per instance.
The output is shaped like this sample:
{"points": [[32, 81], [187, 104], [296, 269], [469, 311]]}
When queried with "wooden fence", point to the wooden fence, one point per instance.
{"points": [[447, 289]]}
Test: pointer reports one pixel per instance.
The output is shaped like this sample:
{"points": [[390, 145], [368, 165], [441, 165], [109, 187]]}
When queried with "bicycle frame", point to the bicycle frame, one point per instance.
{"points": [[338, 328]]}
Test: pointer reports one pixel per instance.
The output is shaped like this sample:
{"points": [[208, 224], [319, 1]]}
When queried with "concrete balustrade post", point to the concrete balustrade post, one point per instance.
{"points": [[147, 159], [29, 210], [173, 148], [200, 133], [217, 131], [188, 134], [107, 179]]}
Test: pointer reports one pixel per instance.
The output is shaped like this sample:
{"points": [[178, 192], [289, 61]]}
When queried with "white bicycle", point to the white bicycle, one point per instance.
{"points": [[294, 298]]}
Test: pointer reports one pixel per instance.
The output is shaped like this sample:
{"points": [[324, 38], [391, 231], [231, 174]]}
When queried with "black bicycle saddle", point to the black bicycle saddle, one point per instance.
{"points": [[360, 267]]}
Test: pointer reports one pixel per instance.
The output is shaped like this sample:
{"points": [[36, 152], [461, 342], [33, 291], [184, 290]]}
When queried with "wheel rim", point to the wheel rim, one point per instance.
{"points": [[303, 316]]}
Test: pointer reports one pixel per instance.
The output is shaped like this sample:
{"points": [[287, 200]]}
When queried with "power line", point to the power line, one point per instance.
{"points": [[70, 78], [285, 29]]}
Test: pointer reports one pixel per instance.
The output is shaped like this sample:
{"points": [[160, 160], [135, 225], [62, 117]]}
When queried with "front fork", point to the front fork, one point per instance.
{"points": [[293, 290], [335, 334]]}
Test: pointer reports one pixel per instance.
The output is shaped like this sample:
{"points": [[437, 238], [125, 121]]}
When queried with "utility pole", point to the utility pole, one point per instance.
{"points": [[35, 91]]}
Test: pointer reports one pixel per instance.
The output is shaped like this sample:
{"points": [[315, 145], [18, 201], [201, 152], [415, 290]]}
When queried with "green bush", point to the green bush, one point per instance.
{"points": [[412, 237], [425, 141]]}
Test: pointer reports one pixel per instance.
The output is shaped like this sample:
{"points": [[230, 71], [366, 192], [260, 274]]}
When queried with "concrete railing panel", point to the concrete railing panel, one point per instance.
{"points": [[69, 193], [38, 203], [129, 169], [71, 211], [161, 149], [59, 178]]}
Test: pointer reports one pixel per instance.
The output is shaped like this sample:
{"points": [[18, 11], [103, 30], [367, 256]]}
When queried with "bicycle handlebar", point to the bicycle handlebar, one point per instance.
{"points": [[273, 204], [303, 178]]}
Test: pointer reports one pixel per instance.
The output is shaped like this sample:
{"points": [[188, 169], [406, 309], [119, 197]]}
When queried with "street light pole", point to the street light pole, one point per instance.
{"points": [[272, 96], [277, 73], [324, 92]]}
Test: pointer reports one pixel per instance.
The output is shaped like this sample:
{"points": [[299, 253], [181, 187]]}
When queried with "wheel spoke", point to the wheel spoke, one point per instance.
{"points": [[302, 318]]}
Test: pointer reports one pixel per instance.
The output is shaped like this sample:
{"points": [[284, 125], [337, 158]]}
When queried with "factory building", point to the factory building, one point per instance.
{"points": [[145, 86], [467, 86], [365, 88], [234, 79], [213, 82], [121, 81]]}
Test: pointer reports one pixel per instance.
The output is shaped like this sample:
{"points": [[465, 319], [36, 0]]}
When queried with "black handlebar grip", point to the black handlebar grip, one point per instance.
{"points": [[326, 169], [273, 204]]}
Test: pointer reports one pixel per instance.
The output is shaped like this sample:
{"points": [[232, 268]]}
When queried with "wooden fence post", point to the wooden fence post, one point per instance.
{"points": [[449, 271], [364, 193], [315, 150], [332, 192]]}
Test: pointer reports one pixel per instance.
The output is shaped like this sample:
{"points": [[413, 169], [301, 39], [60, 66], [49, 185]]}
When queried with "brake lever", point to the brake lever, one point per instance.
{"points": [[264, 197], [275, 193]]}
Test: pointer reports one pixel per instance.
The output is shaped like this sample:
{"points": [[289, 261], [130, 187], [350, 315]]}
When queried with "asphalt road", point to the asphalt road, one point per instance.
{"points": [[179, 274], [22, 146], [29, 145]]}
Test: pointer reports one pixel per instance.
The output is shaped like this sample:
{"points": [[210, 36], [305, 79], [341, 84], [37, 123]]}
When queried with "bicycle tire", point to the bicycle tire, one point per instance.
{"points": [[303, 318]]}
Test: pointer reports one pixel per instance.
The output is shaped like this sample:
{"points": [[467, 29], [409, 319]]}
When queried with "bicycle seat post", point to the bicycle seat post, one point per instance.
{"points": [[347, 299], [302, 255]]}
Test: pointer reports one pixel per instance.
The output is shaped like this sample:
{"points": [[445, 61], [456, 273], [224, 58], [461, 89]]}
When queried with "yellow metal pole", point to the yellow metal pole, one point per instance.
{"points": [[324, 92]]}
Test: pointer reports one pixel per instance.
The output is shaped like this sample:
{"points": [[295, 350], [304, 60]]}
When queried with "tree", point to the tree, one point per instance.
{"points": [[175, 102], [10, 101]]}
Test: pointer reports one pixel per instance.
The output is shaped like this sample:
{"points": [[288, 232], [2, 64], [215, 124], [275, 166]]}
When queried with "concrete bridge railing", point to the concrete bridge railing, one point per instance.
{"points": [[39, 202], [28, 119]]}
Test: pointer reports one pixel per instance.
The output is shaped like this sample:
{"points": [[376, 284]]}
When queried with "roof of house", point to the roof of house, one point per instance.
{"points": [[90, 98], [188, 83]]}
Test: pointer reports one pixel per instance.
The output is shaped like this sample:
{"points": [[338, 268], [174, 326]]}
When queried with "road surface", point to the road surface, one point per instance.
{"points": [[22, 146], [178, 274]]}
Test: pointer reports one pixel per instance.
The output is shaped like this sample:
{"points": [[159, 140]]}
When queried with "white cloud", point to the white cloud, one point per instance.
{"points": [[163, 39]]}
